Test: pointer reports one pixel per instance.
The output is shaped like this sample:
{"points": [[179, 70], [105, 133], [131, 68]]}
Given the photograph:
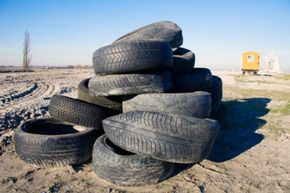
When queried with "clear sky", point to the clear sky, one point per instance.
{"points": [[67, 32]]}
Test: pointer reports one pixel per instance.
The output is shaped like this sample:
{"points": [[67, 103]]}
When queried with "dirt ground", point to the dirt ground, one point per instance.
{"points": [[251, 153]]}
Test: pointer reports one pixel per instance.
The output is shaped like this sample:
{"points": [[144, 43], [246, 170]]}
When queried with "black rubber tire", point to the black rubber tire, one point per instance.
{"points": [[78, 112], [183, 61], [196, 104], [200, 79], [216, 91], [132, 57], [128, 84], [111, 102], [171, 138], [49, 142], [221, 115], [166, 31], [124, 168]]}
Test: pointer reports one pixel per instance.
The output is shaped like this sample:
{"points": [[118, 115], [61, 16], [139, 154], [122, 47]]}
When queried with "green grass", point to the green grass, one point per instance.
{"points": [[284, 110]]}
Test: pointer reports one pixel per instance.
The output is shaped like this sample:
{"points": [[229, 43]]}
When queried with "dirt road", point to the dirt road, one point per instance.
{"points": [[251, 153]]}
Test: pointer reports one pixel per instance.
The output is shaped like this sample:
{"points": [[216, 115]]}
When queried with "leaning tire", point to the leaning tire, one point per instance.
{"points": [[183, 60], [128, 84], [124, 168], [107, 102], [132, 57], [164, 31], [78, 112], [216, 90], [199, 79], [196, 104], [49, 142], [171, 138]]}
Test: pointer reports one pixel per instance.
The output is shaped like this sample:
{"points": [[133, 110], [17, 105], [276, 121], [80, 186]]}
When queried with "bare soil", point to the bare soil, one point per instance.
{"points": [[251, 153]]}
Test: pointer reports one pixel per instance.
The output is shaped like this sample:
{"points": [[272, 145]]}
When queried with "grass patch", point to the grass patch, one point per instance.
{"points": [[250, 93], [284, 77], [247, 79], [277, 130], [284, 110]]}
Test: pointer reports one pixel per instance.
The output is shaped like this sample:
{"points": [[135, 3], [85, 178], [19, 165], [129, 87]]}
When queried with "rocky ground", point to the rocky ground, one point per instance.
{"points": [[251, 153]]}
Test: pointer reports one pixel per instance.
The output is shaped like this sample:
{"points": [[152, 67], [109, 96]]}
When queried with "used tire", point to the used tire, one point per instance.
{"points": [[200, 79], [78, 112], [166, 31], [183, 60], [128, 84], [196, 104], [49, 142], [171, 138], [132, 57], [216, 91], [124, 168], [111, 102]]}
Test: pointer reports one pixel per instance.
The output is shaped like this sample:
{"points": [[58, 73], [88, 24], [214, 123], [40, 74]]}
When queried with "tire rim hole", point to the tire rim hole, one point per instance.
{"points": [[116, 149]]}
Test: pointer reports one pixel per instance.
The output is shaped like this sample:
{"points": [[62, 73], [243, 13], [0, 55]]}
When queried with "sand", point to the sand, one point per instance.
{"points": [[251, 153]]}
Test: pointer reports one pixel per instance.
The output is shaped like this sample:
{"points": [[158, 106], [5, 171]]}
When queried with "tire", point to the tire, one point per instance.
{"points": [[216, 91], [196, 104], [78, 112], [132, 57], [48, 142], [221, 115], [123, 168], [171, 138], [128, 84], [183, 61], [114, 102], [200, 79], [165, 31]]}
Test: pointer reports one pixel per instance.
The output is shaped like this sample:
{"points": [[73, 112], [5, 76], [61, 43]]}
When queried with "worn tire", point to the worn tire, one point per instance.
{"points": [[200, 79], [216, 91], [124, 168], [132, 57], [78, 112], [128, 84], [196, 104], [165, 31], [111, 102], [171, 138], [49, 142], [183, 60]]}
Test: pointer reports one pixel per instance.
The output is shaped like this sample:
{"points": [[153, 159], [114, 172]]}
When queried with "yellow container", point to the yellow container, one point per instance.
{"points": [[251, 61]]}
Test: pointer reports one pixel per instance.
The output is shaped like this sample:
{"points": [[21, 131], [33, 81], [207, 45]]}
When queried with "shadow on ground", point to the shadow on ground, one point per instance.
{"points": [[239, 119]]}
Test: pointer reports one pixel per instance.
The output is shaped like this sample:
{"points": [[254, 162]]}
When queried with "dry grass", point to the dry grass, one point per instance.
{"points": [[284, 77]]}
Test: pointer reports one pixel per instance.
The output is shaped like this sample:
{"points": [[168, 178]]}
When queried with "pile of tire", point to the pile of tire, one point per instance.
{"points": [[146, 110]]}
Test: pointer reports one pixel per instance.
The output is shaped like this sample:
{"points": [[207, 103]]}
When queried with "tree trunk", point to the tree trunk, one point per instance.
{"points": [[26, 52]]}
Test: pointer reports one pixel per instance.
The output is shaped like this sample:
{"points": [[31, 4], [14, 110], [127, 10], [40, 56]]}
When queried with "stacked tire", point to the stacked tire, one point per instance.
{"points": [[146, 110], [166, 106], [65, 138]]}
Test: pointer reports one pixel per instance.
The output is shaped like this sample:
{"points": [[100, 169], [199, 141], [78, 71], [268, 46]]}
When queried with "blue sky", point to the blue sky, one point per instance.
{"points": [[68, 32]]}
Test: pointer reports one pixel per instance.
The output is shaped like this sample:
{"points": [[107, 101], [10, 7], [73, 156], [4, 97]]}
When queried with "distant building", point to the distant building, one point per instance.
{"points": [[250, 62]]}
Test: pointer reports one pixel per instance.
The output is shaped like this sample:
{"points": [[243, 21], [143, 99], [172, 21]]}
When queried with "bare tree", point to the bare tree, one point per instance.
{"points": [[26, 52]]}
